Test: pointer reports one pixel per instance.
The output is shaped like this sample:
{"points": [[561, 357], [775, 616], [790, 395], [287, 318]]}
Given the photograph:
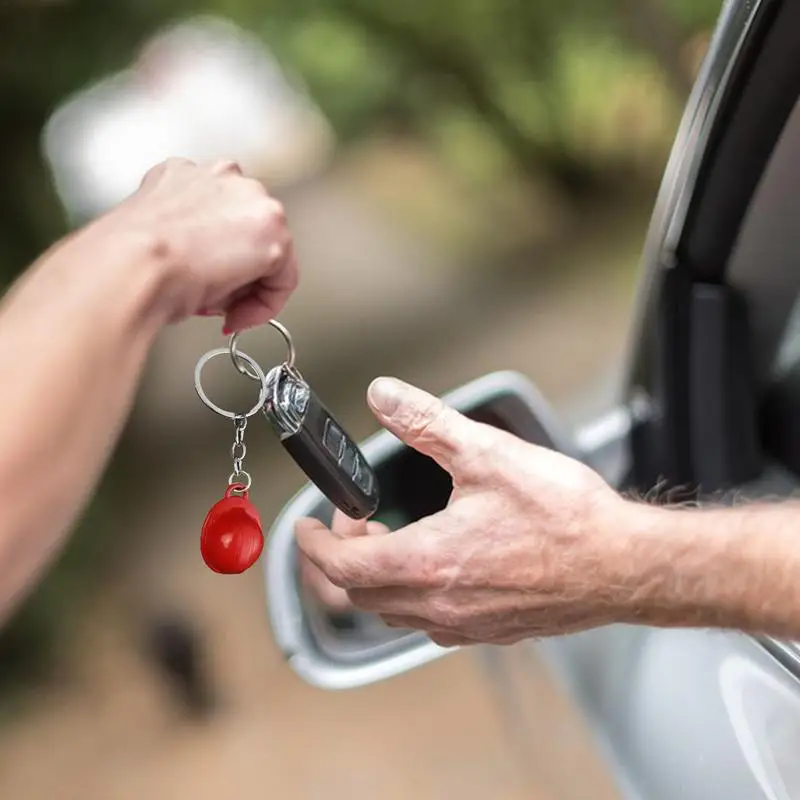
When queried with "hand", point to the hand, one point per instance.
{"points": [[222, 237], [530, 543], [332, 597]]}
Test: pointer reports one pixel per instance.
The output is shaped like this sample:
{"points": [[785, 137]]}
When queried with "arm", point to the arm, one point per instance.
{"points": [[76, 330], [74, 336], [533, 543], [718, 568]]}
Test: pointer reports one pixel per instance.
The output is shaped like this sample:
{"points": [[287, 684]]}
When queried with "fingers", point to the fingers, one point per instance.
{"points": [[402, 602], [169, 165], [408, 622], [226, 167], [377, 529], [450, 640], [245, 252], [221, 167], [346, 527], [366, 561], [450, 637], [331, 597], [244, 314], [266, 298], [443, 638], [425, 423]]}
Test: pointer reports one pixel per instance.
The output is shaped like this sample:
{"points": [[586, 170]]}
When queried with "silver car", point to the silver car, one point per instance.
{"points": [[710, 406]]}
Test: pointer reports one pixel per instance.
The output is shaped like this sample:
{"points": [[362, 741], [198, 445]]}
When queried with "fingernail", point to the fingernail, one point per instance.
{"points": [[227, 330], [385, 395]]}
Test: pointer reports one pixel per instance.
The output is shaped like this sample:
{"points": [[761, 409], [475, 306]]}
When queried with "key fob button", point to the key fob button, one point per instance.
{"points": [[300, 397], [363, 476], [348, 461], [333, 438]]}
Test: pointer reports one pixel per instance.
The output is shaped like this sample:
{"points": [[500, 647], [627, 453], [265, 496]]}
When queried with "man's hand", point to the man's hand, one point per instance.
{"points": [[529, 544], [221, 237]]}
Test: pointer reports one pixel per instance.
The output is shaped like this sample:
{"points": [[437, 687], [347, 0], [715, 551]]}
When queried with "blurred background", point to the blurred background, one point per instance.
{"points": [[469, 184]]}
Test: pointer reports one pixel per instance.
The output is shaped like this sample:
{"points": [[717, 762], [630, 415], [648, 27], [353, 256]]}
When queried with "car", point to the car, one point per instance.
{"points": [[709, 409]]}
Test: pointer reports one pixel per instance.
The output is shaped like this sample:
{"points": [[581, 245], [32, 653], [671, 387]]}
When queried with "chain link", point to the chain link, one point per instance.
{"points": [[238, 452], [239, 448]]}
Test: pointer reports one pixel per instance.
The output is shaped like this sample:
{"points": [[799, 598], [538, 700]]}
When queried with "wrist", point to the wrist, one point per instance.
{"points": [[132, 264], [672, 566]]}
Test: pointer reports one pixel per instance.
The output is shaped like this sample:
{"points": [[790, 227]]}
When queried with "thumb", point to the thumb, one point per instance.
{"points": [[424, 422]]}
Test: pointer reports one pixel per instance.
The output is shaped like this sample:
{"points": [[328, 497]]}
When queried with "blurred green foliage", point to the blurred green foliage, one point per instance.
{"points": [[574, 93], [511, 68]]}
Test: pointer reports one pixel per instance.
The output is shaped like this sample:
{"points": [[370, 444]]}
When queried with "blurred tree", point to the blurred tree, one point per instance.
{"points": [[503, 62]]}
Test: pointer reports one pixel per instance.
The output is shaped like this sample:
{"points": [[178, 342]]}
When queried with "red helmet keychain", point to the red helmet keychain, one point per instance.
{"points": [[231, 538]]}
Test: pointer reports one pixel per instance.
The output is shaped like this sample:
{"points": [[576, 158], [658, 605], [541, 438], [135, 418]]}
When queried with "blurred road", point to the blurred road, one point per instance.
{"points": [[111, 731]]}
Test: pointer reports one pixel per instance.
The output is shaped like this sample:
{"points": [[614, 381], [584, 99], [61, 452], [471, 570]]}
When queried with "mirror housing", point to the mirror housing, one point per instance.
{"points": [[344, 651]]}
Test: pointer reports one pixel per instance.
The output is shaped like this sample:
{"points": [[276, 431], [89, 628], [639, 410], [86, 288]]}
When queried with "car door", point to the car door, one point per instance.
{"points": [[712, 409]]}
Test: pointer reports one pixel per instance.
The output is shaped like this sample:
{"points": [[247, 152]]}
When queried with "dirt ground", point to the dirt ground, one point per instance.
{"points": [[110, 731]]}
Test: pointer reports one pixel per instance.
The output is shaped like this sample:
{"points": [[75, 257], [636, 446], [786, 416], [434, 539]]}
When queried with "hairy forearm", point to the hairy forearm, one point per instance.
{"points": [[736, 568], [75, 332]]}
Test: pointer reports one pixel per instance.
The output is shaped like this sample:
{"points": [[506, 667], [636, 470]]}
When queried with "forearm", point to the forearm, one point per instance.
{"points": [[736, 568], [75, 332]]}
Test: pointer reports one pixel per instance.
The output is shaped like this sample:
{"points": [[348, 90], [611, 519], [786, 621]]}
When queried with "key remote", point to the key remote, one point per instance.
{"points": [[319, 445]]}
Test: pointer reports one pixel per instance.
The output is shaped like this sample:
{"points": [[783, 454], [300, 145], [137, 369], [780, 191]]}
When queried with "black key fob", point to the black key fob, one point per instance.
{"points": [[319, 445]]}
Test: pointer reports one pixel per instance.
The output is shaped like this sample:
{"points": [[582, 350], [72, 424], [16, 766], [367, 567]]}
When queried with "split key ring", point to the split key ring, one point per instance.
{"points": [[242, 364]]}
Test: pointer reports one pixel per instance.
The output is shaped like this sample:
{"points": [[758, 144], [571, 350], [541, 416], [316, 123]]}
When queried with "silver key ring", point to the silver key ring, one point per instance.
{"points": [[238, 357], [257, 372]]}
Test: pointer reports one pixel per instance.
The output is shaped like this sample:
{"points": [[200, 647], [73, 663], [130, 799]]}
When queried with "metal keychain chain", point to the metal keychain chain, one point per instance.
{"points": [[239, 477]]}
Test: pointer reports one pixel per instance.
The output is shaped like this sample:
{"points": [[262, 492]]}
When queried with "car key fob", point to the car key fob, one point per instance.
{"points": [[319, 445]]}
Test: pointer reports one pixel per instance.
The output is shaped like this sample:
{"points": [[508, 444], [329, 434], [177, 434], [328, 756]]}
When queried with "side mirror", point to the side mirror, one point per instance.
{"points": [[346, 650]]}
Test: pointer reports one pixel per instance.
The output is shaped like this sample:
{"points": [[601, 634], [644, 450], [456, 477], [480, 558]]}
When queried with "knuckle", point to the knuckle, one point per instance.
{"points": [[424, 418], [384, 562], [165, 167], [267, 211], [338, 573], [279, 211], [349, 572], [276, 252], [226, 165], [154, 173], [175, 163]]}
